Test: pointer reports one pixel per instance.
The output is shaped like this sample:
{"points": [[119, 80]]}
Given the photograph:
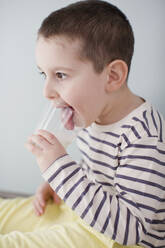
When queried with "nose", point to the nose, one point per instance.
{"points": [[49, 91]]}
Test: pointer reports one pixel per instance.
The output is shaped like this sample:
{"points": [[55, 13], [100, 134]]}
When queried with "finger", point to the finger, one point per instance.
{"points": [[36, 210], [39, 141], [48, 136], [41, 200], [39, 210], [33, 148]]}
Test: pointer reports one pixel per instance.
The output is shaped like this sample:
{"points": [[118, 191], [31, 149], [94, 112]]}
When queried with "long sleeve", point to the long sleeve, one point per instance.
{"points": [[100, 209], [126, 212], [121, 193]]}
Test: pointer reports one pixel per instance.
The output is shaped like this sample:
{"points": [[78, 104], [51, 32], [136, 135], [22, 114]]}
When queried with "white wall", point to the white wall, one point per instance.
{"points": [[21, 100]]}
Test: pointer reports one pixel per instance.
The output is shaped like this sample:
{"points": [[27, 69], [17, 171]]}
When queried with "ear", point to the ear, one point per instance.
{"points": [[117, 72]]}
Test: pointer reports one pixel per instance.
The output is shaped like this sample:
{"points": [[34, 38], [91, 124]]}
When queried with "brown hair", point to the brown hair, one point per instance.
{"points": [[103, 29]]}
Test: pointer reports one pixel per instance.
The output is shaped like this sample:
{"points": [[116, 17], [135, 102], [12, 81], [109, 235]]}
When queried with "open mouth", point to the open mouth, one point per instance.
{"points": [[67, 114]]}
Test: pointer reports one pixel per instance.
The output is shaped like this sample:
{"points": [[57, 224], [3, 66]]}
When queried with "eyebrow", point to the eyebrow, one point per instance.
{"points": [[58, 68]]}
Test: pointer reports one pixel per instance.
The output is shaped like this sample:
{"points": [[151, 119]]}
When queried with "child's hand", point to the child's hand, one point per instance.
{"points": [[46, 147], [44, 193]]}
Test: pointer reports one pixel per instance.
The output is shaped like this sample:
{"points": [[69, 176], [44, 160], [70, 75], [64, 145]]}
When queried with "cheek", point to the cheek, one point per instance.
{"points": [[87, 100], [85, 96], [73, 93]]}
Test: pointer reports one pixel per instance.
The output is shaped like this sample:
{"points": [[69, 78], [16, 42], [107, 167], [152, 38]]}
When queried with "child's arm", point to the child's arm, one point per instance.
{"points": [[43, 193], [115, 212], [131, 212]]}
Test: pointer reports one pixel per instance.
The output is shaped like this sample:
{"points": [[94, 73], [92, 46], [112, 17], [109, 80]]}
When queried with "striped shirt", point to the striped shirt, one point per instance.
{"points": [[118, 188]]}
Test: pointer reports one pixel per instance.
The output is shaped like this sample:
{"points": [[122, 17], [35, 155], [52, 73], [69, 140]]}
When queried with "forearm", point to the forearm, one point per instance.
{"points": [[105, 211]]}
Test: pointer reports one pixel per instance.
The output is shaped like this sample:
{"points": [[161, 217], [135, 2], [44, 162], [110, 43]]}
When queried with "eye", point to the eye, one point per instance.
{"points": [[42, 74], [60, 75]]}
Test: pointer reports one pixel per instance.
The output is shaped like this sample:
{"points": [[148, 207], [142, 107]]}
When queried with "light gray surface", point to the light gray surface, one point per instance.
{"points": [[21, 100], [10, 194]]}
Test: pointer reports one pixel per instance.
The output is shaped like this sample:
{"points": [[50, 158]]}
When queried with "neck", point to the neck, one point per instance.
{"points": [[119, 105]]}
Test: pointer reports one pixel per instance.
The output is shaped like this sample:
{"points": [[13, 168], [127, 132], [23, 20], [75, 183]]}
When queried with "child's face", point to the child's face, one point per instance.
{"points": [[71, 81]]}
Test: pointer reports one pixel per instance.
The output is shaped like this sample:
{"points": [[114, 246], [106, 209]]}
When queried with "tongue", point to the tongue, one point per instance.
{"points": [[67, 118]]}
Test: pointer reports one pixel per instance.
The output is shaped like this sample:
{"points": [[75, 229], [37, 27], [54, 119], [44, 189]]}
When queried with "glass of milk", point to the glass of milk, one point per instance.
{"points": [[54, 121]]}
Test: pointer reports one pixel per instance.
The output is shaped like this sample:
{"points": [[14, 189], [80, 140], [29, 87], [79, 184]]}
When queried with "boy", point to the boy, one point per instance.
{"points": [[84, 52]]}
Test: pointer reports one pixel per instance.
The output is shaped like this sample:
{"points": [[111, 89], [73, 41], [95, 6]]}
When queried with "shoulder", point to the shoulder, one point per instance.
{"points": [[143, 138], [145, 123]]}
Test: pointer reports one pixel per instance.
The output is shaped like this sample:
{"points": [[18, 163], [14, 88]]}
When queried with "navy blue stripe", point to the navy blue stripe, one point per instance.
{"points": [[156, 185], [160, 230], [134, 204], [160, 151], [137, 231], [142, 157], [138, 205], [85, 130], [82, 195], [106, 222], [98, 162], [99, 209], [105, 183], [103, 174], [101, 141], [67, 178], [127, 228], [116, 222], [153, 119], [53, 163], [133, 130], [126, 139], [112, 134], [73, 188], [83, 140], [143, 228], [107, 219], [135, 167], [147, 147], [100, 151], [144, 116], [90, 203], [110, 197], [150, 245], [141, 193], [155, 222], [85, 164], [59, 170], [143, 125], [161, 139], [158, 221], [158, 211]]}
